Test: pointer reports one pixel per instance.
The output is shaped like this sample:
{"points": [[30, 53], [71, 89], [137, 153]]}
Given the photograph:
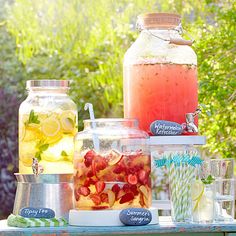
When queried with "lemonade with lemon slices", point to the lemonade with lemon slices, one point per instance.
{"points": [[49, 138], [47, 126], [202, 201]]}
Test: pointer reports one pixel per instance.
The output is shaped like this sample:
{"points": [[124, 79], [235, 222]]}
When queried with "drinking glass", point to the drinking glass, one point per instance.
{"points": [[224, 200], [222, 168], [202, 201]]}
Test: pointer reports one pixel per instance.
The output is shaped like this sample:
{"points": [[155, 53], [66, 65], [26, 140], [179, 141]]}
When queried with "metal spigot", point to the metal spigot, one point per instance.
{"points": [[37, 169], [190, 126]]}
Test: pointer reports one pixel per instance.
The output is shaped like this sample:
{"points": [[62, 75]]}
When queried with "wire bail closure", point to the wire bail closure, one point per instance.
{"points": [[177, 41]]}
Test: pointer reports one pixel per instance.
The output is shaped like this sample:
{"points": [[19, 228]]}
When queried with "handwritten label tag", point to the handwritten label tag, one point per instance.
{"points": [[165, 128], [31, 212], [135, 216]]}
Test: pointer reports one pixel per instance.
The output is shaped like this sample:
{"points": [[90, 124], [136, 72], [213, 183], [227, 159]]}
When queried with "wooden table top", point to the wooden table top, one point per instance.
{"points": [[165, 227]]}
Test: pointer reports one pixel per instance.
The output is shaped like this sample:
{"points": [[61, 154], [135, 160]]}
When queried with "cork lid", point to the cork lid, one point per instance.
{"points": [[158, 20]]}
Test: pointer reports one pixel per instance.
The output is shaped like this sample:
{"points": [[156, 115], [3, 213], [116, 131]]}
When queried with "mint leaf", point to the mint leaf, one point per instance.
{"points": [[40, 143], [33, 118], [38, 155], [208, 180], [64, 154], [41, 146], [44, 147]]}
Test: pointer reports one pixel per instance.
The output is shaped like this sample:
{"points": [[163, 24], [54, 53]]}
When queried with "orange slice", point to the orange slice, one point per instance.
{"points": [[111, 197], [114, 157], [144, 191]]}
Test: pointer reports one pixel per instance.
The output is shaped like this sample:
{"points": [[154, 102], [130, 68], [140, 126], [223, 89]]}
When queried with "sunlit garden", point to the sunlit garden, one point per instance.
{"points": [[84, 42]]}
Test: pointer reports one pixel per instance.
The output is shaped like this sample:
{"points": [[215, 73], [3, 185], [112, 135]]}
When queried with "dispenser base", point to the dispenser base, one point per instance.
{"points": [[102, 217]]}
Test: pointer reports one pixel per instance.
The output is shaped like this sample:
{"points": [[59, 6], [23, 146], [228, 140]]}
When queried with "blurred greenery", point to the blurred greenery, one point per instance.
{"points": [[85, 41]]}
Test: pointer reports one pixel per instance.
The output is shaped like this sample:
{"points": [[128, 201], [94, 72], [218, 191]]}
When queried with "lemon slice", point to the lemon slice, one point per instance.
{"points": [[27, 159], [21, 132], [57, 167], [67, 120], [54, 139], [27, 151], [50, 127], [197, 190], [31, 132], [201, 203], [51, 155], [54, 152]]}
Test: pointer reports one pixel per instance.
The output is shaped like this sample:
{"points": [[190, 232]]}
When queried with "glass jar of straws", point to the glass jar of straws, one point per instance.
{"points": [[181, 158]]}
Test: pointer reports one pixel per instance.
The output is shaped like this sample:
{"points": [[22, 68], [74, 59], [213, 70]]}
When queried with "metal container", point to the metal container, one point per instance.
{"points": [[53, 191]]}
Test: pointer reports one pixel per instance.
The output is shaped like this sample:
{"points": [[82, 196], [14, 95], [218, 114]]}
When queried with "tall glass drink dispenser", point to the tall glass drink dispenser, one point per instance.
{"points": [[47, 125], [160, 72]]}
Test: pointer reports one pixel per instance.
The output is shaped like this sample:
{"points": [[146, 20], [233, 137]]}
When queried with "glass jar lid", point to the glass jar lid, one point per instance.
{"points": [[112, 128], [158, 20], [111, 122], [51, 84]]}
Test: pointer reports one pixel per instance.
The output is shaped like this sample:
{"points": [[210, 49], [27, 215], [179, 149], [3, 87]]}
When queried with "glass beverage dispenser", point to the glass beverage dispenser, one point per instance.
{"points": [[112, 166], [160, 72], [47, 125]]}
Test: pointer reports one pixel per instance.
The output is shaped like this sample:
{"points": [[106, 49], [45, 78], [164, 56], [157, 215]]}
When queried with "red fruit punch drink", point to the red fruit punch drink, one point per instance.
{"points": [[160, 92], [112, 166], [160, 72], [112, 181]]}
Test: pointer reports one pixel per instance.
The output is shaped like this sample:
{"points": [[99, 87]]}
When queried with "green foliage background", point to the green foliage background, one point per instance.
{"points": [[85, 41]]}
